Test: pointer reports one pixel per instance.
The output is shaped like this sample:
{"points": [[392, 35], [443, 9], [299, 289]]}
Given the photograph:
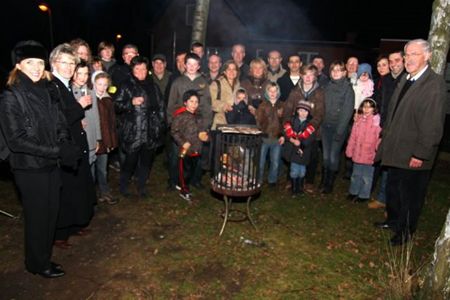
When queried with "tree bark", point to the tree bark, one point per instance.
{"points": [[439, 35], [437, 279], [200, 21]]}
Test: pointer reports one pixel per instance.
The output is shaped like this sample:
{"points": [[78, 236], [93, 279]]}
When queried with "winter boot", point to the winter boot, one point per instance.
{"points": [[294, 187], [301, 181], [329, 183]]}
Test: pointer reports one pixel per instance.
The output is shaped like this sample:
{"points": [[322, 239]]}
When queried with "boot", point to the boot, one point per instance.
{"points": [[301, 181], [294, 187], [322, 179], [328, 185]]}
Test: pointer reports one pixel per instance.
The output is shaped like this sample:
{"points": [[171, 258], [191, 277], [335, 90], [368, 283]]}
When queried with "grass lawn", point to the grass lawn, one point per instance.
{"points": [[313, 247]]}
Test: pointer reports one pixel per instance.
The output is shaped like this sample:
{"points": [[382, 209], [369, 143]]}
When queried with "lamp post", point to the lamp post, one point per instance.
{"points": [[46, 8]]}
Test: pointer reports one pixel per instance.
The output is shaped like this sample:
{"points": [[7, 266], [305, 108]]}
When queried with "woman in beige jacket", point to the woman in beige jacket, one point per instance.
{"points": [[222, 92]]}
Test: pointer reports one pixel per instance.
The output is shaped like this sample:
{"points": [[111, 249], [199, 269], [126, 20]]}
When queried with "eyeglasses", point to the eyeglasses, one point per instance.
{"points": [[65, 63]]}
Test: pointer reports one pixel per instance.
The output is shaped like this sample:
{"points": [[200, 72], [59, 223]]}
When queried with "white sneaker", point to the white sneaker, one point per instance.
{"points": [[186, 196]]}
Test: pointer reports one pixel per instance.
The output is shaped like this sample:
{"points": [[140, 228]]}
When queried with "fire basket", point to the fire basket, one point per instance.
{"points": [[235, 163]]}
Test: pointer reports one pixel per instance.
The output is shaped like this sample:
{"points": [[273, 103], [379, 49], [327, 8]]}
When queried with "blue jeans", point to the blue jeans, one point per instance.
{"points": [[361, 180], [381, 197], [274, 149], [297, 170], [99, 172], [331, 146]]}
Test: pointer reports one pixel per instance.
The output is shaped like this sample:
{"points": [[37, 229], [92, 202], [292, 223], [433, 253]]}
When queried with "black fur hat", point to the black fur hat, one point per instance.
{"points": [[28, 49]]}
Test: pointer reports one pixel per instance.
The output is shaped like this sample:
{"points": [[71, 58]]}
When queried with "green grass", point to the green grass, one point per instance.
{"points": [[315, 247]]}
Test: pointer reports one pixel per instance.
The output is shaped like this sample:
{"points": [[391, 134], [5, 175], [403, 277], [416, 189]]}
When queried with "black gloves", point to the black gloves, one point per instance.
{"points": [[69, 155]]}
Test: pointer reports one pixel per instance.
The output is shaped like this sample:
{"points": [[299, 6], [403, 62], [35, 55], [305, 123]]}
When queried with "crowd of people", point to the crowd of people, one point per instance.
{"points": [[65, 128]]}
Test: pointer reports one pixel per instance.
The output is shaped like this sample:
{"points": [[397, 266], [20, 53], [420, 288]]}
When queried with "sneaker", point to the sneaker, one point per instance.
{"points": [[186, 196], [375, 204]]}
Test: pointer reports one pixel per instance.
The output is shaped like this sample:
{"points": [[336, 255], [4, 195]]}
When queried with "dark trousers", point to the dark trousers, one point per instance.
{"points": [[188, 168], [311, 168], [138, 162], [39, 192], [406, 191]]}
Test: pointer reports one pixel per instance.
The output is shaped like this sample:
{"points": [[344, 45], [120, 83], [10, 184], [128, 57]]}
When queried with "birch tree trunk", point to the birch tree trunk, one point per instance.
{"points": [[200, 21], [437, 282], [439, 35]]}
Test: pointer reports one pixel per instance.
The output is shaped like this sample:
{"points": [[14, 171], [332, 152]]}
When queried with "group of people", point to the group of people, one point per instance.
{"points": [[65, 127]]}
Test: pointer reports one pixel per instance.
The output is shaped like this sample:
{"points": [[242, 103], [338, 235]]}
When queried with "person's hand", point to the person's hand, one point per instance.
{"points": [[227, 107], [97, 147], [280, 112], [136, 101], [203, 136], [252, 109], [69, 155], [84, 123], [85, 101], [184, 149], [295, 142], [415, 162], [281, 140]]}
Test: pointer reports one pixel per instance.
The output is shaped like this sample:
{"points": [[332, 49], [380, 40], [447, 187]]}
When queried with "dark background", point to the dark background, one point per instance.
{"points": [[363, 22]]}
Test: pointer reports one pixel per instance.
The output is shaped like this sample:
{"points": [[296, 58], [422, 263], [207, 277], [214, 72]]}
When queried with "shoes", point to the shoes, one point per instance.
{"points": [[383, 225], [309, 188], [186, 196], [62, 244], [54, 271], [375, 204], [115, 166], [360, 200], [399, 239], [56, 266], [351, 197], [108, 198], [83, 232]]}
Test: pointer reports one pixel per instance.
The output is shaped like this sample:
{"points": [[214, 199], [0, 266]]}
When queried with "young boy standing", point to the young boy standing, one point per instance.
{"points": [[188, 133]]}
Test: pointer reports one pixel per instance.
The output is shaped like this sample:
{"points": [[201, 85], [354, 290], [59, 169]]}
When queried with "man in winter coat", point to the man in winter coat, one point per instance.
{"points": [[410, 140]]}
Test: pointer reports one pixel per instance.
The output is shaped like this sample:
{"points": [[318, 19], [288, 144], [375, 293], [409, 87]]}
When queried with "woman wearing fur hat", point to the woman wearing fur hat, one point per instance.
{"points": [[35, 133]]}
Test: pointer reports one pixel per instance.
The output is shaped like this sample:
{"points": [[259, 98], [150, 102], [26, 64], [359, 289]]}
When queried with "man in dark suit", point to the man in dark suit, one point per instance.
{"points": [[411, 136]]}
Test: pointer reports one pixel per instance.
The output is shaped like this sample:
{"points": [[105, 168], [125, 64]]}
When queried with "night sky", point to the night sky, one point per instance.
{"points": [[96, 20]]}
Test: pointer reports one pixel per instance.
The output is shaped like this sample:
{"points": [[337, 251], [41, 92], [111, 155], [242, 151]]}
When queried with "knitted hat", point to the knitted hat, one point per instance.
{"points": [[365, 68], [28, 49], [304, 105]]}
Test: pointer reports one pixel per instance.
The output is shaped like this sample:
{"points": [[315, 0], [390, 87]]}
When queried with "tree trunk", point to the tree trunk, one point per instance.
{"points": [[200, 21], [437, 285], [439, 35], [437, 281]]}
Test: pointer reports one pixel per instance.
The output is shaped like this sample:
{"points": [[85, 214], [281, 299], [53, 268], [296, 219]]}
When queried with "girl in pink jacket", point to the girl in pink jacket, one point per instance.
{"points": [[361, 148]]}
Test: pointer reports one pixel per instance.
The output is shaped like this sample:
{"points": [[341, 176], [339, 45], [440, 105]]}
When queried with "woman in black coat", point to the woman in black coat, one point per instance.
{"points": [[142, 123], [78, 191], [35, 133]]}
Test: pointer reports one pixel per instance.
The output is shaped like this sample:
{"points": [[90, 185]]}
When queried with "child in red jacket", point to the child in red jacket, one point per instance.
{"points": [[361, 148]]}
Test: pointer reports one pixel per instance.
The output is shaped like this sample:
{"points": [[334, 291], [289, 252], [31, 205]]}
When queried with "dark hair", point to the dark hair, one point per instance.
{"points": [[192, 56], [196, 45], [138, 60], [294, 55], [318, 56], [188, 94], [372, 103], [380, 57]]}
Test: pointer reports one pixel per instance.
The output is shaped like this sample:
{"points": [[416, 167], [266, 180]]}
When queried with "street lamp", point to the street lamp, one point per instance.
{"points": [[46, 8]]}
